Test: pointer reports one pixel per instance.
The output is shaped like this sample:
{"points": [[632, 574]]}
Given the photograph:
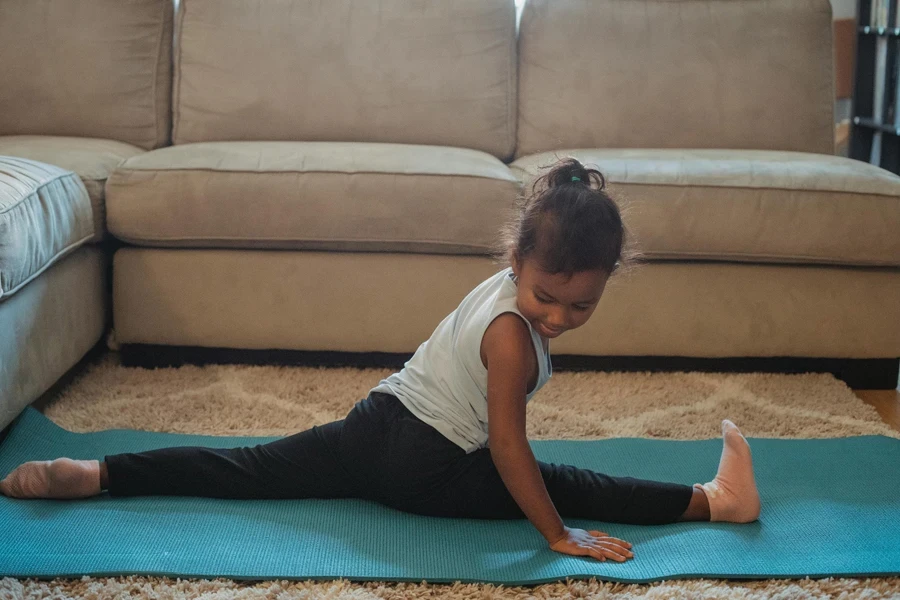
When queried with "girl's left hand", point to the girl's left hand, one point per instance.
{"points": [[578, 542]]}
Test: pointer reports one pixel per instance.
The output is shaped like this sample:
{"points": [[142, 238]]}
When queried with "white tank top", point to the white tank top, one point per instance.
{"points": [[445, 383]]}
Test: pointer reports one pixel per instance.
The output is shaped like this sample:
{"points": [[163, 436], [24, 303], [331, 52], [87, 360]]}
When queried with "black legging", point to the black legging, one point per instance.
{"points": [[382, 452]]}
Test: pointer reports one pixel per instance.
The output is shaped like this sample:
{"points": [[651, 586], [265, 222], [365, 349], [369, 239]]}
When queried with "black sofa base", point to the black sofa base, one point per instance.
{"points": [[862, 373]]}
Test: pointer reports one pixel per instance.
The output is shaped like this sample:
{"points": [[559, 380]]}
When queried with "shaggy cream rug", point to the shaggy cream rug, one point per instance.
{"points": [[268, 401]]}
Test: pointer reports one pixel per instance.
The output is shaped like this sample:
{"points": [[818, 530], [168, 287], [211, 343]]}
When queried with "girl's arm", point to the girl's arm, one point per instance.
{"points": [[508, 352]]}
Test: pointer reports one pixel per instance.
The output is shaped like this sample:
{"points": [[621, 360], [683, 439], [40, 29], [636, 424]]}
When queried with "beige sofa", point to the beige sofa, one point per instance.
{"points": [[336, 173]]}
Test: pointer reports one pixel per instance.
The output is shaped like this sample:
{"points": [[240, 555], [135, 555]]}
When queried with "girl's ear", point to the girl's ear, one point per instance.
{"points": [[515, 262]]}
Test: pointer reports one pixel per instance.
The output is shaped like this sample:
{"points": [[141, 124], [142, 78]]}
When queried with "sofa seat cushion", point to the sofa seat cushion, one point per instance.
{"points": [[749, 205], [45, 214], [312, 195], [92, 159]]}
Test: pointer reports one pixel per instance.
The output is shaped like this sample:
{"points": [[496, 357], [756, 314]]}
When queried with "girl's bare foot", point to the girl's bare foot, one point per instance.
{"points": [[60, 478], [732, 494]]}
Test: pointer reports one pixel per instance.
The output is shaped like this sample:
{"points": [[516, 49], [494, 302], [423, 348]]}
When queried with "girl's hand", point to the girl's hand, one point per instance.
{"points": [[597, 544]]}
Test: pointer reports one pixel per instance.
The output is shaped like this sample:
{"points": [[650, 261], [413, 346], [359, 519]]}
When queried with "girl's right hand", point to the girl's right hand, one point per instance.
{"points": [[578, 542]]}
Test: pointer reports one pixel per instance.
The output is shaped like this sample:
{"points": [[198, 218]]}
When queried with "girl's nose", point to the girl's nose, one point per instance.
{"points": [[557, 318]]}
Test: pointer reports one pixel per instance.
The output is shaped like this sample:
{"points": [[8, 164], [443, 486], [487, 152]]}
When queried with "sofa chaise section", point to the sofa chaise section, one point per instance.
{"points": [[84, 85], [52, 281]]}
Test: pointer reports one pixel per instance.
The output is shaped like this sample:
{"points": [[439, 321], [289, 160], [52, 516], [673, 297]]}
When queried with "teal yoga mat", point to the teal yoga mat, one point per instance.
{"points": [[831, 507]]}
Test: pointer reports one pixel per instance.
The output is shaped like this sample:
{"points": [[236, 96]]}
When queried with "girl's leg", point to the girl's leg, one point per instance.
{"points": [[304, 465], [577, 493], [698, 509], [421, 471], [477, 491], [585, 494]]}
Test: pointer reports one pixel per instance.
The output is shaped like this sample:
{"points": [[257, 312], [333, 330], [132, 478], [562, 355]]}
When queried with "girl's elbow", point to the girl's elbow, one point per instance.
{"points": [[506, 445]]}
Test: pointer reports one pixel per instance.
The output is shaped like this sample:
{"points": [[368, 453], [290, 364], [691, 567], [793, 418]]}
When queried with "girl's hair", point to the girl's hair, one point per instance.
{"points": [[568, 224]]}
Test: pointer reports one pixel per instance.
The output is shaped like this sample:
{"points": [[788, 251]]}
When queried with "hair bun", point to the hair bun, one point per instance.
{"points": [[568, 223], [570, 171]]}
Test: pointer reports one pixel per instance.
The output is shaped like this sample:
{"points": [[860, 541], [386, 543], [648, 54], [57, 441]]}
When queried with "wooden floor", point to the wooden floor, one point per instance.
{"points": [[886, 402]]}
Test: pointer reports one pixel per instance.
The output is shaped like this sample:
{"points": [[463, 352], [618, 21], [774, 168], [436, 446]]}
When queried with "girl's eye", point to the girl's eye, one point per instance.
{"points": [[545, 301]]}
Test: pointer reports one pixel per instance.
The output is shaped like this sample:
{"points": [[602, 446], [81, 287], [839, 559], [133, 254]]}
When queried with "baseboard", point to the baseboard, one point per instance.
{"points": [[857, 373]]}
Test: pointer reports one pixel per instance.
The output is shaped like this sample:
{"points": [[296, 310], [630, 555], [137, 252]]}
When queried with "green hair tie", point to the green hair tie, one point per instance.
{"points": [[576, 178]]}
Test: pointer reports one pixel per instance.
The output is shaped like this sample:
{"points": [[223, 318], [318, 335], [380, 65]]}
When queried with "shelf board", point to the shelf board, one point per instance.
{"points": [[871, 124], [882, 31]]}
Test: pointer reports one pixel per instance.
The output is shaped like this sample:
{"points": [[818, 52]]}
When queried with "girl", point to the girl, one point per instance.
{"points": [[445, 436]]}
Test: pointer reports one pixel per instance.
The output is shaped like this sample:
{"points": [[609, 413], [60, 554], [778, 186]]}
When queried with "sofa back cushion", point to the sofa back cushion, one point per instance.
{"points": [[87, 68], [402, 71], [740, 74]]}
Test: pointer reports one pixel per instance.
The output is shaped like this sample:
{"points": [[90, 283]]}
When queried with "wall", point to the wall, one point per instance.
{"points": [[843, 9], [844, 13]]}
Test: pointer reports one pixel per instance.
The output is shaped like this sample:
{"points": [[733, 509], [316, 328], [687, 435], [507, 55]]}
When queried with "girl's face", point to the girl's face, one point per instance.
{"points": [[554, 304]]}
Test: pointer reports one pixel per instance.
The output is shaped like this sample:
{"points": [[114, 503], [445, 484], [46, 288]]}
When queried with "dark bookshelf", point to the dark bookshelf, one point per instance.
{"points": [[876, 117], [882, 31]]}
